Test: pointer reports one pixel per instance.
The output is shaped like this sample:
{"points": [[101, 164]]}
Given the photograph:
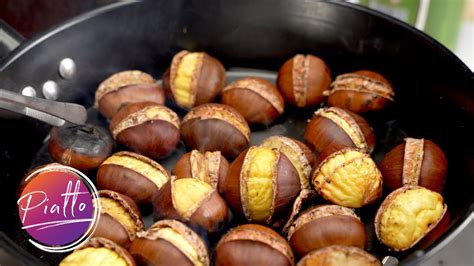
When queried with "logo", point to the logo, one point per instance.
{"points": [[57, 209]]}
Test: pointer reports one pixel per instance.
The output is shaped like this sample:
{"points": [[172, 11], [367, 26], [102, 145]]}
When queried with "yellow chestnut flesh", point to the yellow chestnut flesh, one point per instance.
{"points": [[188, 194], [184, 77], [409, 216], [118, 212], [141, 167], [258, 190], [94, 256]]}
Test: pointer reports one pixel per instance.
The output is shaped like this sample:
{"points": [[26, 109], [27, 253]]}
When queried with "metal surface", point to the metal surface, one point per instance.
{"points": [[67, 68], [51, 112], [28, 91], [50, 90]]}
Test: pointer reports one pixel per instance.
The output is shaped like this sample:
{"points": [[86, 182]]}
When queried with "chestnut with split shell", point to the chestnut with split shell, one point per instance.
{"points": [[127, 87], [337, 255]]}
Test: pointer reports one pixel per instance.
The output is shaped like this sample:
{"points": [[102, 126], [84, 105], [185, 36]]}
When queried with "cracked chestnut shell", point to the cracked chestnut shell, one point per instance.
{"points": [[169, 242], [339, 255], [215, 127], [119, 219], [192, 201], [99, 251], [210, 167], [256, 99], [133, 175], [146, 128], [303, 79], [82, 147], [348, 177], [360, 91], [336, 126], [326, 225], [261, 185], [126, 87], [194, 78], [407, 215], [415, 162], [252, 244]]}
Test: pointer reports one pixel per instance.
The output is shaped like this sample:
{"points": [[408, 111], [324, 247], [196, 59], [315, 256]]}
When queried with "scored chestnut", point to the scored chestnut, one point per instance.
{"points": [[146, 128], [339, 255], [127, 87], [348, 177], [360, 91], [133, 175], [252, 244], [119, 219], [192, 201], [336, 126], [415, 162], [256, 99], [261, 185], [169, 242], [326, 225], [297, 152], [210, 167], [99, 251], [216, 127], [303, 79], [407, 215], [82, 147], [194, 78]]}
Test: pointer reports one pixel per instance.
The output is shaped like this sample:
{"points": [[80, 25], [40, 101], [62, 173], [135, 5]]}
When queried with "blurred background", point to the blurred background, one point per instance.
{"points": [[451, 22]]}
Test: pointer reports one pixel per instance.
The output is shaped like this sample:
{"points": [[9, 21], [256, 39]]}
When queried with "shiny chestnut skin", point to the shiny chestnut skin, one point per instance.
{"points": [[112, 224], [335, 126], [210, 167], [361, 91], [252, 244], [154, 247], [339, 255], [303, 79], [256, 99], [205, 83], [146, 128], [208, 212], [326, 225], [415, 162], [133, 175], [127, 87], [82, 147], [215, 127]]}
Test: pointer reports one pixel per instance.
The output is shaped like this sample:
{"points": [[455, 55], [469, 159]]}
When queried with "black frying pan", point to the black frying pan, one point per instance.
{"points": [[434, 89]]}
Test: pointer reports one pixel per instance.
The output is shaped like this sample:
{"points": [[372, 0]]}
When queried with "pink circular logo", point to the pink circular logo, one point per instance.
{"points": [[57, 208]]}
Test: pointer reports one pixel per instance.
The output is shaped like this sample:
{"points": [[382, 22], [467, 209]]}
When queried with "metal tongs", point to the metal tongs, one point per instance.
{"points": [[51, 112]]}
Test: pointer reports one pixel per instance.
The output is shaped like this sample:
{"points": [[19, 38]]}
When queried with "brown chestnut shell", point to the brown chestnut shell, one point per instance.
{"points": [[339, 255]]}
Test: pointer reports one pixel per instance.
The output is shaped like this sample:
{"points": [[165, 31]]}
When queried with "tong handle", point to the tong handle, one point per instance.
{"points": [[51, 112]]}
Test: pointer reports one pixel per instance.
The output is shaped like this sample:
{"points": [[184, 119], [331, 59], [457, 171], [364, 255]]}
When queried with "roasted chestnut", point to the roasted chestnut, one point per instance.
{"points": [[252, 244], [336, 126], [339, 255], [297, 152], [82, 147], [256, 99], [215, 127], [360, 91], [348, 177], [210, 167], [304, 199], [415, 162], [192, 201], [119, 219], [133, 175], [407, 215], [326, 225], [146, 128], [303, 79], [194, 78], [99, 251], [261, 185], [169, 242], [127, 87]]}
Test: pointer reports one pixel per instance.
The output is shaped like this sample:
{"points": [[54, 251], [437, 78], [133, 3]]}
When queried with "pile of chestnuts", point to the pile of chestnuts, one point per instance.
{"points": [[229, 202]]}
